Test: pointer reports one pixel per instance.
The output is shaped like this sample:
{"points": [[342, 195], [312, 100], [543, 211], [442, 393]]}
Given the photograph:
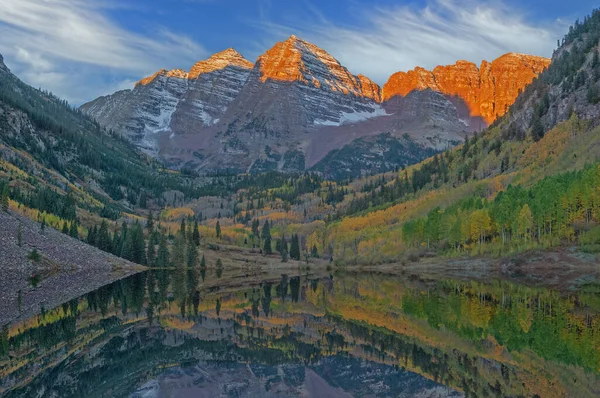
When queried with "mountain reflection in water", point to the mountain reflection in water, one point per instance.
{"points": [[184, 333]]}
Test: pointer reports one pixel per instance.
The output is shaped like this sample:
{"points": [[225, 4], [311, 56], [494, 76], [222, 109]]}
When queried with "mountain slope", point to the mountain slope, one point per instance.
{"points": [[47, 145], [173, 100], [227, 114]]}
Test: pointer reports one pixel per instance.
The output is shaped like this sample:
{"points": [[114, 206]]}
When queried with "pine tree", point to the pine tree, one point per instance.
{"points": [[73, 230], [103, 240], [266, 231], [65, 228], [150, 251], [127, 246], [116, 244], [196, 234], [138, 244], [4, 197], [162, 258], [150, 223], [182, 228], [218, 230], [192, 254], [43, 224], [91, 237], [267, 246], [20, 235], [203, 262], [266, 236], [295, 248]]}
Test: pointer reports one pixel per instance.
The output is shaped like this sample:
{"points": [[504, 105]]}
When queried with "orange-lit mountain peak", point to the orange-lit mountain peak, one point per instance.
{"points": [[297, 60], [178, 73], [220, 60], [486, 92]]}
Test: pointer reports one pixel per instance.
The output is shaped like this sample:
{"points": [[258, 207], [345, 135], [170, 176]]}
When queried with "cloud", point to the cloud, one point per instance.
{"points": [[390, 39], [47, 41]]}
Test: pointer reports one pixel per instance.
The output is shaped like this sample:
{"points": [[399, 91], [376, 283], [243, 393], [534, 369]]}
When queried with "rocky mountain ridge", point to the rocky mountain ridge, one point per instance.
{"points": [[484, 92], [299, 102]]}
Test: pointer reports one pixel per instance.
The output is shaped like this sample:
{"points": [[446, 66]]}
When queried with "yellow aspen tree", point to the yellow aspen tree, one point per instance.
{"points": [[525, 222]]}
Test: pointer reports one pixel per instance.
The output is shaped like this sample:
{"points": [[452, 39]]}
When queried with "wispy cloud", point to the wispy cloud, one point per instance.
{"points": [[74, 48], [386, 40]]}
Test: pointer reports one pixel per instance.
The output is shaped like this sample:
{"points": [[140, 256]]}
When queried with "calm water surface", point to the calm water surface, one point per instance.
{"points": [[191, 333]]}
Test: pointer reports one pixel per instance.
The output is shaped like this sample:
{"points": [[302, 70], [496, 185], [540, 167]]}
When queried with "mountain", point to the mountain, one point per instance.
{"points": [[297, 103], [480, 94], [173, 100]]}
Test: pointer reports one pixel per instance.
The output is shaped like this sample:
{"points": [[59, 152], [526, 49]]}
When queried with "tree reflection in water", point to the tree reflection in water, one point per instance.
{"points": [[481, 339]]}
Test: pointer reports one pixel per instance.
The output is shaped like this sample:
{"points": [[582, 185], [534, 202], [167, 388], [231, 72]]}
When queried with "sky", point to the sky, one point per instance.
{"points": [[81, 49]]}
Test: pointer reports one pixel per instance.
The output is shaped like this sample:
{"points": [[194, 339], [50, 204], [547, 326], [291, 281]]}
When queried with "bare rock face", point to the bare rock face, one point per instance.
{"points": [[296, 85], [480, 94], [294, 90], [297, 103], [173, 100]]}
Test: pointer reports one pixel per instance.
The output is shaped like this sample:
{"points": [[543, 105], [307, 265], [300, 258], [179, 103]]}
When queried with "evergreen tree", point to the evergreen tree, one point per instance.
{"points": [[150, 223], [203, 262], [4, 197], [182, 228], [124, 233], [103, 239], [138, 243], [266, 236], [218, 230], [266, 231], [20, 235], [43, 224], [192, 254], [127, 246], [91, 237], [116, 244], [267, 246], [65, 228], [162, 258], [73, 230], [151, 251], [295, 248], [196, 234]]}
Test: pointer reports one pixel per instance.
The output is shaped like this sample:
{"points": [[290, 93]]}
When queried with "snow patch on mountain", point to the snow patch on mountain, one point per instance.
{"points": [[356, 117]]}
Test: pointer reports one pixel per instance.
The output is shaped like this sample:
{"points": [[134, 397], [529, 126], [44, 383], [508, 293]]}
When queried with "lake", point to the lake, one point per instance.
{"points": [[197, 333]]}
